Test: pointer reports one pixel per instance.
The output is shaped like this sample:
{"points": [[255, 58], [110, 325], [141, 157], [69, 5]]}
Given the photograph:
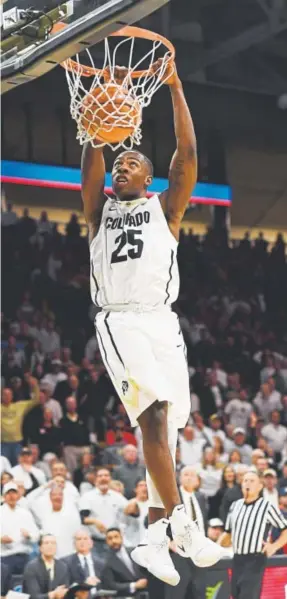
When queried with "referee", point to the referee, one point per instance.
{"points": [[247, 525]]}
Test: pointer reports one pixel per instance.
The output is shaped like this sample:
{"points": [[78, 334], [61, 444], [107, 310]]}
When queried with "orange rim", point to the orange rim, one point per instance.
{"points": [[128, 31]]}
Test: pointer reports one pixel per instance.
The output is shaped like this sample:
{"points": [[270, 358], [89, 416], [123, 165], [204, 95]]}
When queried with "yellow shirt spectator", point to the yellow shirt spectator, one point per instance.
{"points": [[13, 414]]}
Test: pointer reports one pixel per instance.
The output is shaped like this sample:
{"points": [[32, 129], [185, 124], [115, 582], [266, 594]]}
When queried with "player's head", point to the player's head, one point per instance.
{"points": [[131, 175]]}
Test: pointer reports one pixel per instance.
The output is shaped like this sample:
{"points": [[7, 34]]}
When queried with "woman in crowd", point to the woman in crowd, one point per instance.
{"points": [[227, 482], [235, 459], [210, 474]]}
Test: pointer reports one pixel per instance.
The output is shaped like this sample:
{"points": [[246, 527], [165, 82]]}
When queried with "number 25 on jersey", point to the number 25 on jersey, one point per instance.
{"points": [[129, 245]]}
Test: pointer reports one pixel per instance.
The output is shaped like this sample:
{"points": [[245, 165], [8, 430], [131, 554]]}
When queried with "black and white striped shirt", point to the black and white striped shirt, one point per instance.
{"points": [[247, 523]]}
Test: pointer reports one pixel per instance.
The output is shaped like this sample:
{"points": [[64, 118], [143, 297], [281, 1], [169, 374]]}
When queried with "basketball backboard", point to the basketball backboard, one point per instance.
{"points": [[30, 47]]}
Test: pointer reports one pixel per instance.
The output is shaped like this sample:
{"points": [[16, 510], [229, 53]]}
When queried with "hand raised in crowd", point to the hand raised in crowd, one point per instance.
{"points": [[132, 509]]}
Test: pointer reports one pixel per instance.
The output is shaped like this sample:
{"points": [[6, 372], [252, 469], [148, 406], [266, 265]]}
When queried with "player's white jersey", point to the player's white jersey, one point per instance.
{"points": [[134, 256]]}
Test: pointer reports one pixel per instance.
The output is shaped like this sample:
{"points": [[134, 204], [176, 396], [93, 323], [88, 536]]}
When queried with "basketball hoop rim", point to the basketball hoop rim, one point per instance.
{"points": [[127, 31]]}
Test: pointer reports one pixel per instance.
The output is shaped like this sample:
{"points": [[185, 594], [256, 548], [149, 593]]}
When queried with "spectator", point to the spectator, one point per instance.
{"points": [[234, 493], [216, 427], [73, 229], [26, 226], [215, 529], [75, 435], [31, 476], [17, 388], [4, 464], [26, 310], [210, 473], [60, 469], [44, 226], [82, 565], [8, 217], [18, 531], [101, 509], [193, 500], [256, 454], [13, 359], [275, 532], [62, 520], [50, 403], [42, 464], [86, 463], [274, 433], [130, 472], [49, 437], [117, 485], [22, 501], [201, 431], [113, 454], [136, 512], [283, 479], [191, 447], [262, 465], [49, 338], [12, 420], [46, 577], [264, 403], [221, 455], [121, 574], [92, 348], [50, 380], [6, 477], [239, 410], [119, 424], [245, 450], [228, 481], [68, 388], [270, 491]]}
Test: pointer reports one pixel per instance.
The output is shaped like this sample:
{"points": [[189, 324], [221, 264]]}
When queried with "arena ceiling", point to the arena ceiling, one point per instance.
{"points": [[228, 43]]}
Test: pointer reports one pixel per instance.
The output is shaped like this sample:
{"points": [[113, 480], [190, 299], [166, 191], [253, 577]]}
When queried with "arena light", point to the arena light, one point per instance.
{"points": [[60, 177]]}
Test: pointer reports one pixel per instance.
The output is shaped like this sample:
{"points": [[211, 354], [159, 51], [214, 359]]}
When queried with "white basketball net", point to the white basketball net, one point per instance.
{"points": [[85, 106]]}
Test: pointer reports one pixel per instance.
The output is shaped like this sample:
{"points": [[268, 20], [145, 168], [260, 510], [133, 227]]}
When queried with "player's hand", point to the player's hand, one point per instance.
{"points": [[6, 540], [141, 583], [119, 74], [269, 549], [169, 74]]}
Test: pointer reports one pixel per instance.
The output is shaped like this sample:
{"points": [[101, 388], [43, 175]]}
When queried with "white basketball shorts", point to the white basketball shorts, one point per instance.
{"points": [[145, 356]]}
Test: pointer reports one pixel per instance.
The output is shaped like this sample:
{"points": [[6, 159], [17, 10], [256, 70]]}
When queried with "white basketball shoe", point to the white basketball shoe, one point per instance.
{"points": [[191, 542], [153, 554]]}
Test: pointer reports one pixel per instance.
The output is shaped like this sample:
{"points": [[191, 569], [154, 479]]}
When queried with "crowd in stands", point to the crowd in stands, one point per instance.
{"points": [[74, 497]]}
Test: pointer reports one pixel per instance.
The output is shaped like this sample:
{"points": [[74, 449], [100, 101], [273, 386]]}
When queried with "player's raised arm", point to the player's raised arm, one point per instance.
{"points": [[93, 182], [183, 167]]}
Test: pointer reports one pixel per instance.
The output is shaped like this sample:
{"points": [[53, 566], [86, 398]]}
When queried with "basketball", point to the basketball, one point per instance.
{"points": [[110, 114]]}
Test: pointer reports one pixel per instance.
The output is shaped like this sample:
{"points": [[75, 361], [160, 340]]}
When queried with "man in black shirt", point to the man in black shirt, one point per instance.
{"points": [[75, 435]]}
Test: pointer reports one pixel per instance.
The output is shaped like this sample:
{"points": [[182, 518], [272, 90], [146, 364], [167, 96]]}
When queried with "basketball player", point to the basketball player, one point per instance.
{"points": [[134, 279]]}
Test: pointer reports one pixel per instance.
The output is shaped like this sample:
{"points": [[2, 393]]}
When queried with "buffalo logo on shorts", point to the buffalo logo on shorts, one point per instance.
{"points": [[125, 387]]}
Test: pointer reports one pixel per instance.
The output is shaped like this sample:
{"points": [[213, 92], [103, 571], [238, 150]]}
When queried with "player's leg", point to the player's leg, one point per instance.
{"points": [[163, 494], [158, 459]]}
